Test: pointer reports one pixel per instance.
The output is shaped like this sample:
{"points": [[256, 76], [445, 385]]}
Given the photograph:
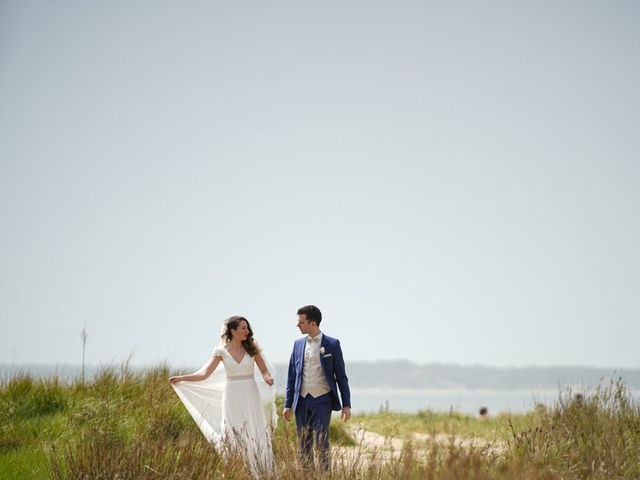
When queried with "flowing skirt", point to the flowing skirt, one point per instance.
{"points": [[244, 427], [236, 412]]}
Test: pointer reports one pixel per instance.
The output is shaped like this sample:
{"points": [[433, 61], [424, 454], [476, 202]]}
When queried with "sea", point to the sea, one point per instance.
{"points": [[461, 400]]}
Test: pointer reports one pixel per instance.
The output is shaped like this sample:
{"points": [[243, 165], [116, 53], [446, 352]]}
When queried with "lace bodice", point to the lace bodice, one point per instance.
{"points": [[233, 368]]}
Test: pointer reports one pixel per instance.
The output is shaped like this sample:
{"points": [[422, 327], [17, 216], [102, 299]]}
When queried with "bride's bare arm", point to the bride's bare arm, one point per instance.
{"points": [[263, 369], [201, 374]]}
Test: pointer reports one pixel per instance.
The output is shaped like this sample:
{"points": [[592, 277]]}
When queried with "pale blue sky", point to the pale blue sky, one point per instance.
{"points": [[448, 181]]}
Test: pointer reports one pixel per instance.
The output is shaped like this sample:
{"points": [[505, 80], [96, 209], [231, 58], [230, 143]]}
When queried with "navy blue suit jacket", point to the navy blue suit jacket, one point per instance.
{"points": [[333, 365]]}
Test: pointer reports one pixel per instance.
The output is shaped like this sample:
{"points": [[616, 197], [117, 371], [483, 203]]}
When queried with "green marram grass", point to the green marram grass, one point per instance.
{"points": [[403, 425], [130, 425]]}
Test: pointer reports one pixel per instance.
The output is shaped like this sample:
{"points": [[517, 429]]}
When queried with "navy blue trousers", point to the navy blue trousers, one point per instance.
{"points": [[312, 421]]}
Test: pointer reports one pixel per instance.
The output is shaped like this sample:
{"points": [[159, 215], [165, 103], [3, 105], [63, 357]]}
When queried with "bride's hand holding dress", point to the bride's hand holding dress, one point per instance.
{"points": [[206, 370]]}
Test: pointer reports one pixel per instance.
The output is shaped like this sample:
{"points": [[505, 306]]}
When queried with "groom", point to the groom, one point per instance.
{"points": [[316, 372]]}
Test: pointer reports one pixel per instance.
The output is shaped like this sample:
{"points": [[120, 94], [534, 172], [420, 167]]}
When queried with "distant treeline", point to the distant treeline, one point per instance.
{"points": [[406, 374]]}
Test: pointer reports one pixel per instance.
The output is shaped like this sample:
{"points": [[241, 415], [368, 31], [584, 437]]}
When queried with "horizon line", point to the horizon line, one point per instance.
{"points": [[382, 360]]}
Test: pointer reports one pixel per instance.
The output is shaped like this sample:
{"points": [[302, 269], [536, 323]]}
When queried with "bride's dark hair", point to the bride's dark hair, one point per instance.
{"points": [[233, 323]]}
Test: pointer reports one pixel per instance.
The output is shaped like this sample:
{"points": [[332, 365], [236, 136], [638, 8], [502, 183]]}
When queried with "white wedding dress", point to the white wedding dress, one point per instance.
{"points": [[234, 408]]}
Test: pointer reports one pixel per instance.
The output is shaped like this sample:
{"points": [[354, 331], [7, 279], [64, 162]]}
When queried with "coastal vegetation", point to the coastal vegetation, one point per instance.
{"points": [[121, 423]]}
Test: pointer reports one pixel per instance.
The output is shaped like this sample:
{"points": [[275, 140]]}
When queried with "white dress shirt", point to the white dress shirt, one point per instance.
{"points": [[313, 379]]}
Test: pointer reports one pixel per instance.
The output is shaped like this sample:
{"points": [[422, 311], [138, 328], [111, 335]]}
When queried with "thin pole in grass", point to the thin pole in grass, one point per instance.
{"points": [[83, 336]]}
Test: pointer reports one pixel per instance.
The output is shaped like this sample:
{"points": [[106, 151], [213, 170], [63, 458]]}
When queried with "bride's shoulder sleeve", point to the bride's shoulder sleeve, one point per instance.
{"points": [[218, 352]]}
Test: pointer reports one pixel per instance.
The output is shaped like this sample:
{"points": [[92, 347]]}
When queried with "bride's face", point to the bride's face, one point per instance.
{"points": [[242, 332]]}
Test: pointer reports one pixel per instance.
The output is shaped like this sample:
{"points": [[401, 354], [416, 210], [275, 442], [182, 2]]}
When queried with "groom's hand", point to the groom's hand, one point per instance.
{"points": [[346, 413], [286, 414]]}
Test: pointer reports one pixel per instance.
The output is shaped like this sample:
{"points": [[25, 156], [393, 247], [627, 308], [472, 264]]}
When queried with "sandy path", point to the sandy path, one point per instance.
{"points": [[392, 446]]}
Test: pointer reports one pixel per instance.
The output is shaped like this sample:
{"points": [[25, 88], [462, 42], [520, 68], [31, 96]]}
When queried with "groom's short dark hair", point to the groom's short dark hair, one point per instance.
{"points": [[312, 313]]}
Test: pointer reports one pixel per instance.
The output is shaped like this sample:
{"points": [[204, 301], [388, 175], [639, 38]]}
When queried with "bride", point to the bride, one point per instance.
{"points": [[234, 405]]}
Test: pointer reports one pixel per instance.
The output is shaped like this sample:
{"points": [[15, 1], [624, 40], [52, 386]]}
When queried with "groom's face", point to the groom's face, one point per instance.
{"points": [[303, 324]]}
